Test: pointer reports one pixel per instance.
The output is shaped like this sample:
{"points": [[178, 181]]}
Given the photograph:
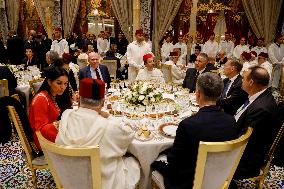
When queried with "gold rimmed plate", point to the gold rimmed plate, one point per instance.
{"points": [[168, 129]]}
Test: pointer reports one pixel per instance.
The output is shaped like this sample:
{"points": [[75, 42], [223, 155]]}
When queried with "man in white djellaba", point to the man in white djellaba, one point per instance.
{"points": [[90, 126], [260, 46], [135, 53], [167, 47], [239, 49], [149, 73], [211, 46], [227, 45], [183, 47], [59, 45], [276, 56]]}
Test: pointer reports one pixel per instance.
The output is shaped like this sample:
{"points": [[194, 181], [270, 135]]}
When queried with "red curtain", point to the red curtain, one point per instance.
{"points": [[81, 23], [236, 28], [208, 26]]}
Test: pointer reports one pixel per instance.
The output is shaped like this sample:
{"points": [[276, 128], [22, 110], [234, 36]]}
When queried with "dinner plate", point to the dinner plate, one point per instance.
{"points": [[168, 129], [143, 138]]}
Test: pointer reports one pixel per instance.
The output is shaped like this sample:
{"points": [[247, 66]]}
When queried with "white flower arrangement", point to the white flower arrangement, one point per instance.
{"points": [[142, 93]]}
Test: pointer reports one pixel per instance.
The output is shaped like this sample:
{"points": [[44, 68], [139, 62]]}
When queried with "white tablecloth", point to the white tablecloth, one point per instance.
{"points": [[146, 153]]}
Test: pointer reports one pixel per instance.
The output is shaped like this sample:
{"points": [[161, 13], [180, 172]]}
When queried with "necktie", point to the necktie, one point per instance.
{"points": [[245, 104], [97, 73], [226, 88]]}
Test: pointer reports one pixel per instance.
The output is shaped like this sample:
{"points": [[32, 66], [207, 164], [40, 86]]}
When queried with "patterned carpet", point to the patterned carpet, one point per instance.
{"points": [[14, 173]]}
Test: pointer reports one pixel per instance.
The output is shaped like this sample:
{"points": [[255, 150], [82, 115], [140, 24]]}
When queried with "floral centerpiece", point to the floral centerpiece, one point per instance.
{"points": [[142, 93]]}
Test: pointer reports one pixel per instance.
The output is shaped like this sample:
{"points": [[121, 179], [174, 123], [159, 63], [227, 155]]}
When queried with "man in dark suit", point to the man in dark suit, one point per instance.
{"points": [[197, 50], [95, 70], [201, 66], [121, 43], [259, 112], [30, 59], [92, 41], [15, 48], [233, 95], [208, 124]]}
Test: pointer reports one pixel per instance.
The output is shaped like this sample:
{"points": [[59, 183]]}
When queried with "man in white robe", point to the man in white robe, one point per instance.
{"points": [[198, 42], [276, 56], [227, 45], [103, 44], [167, 47], [211, 46], [262, 62], [259, 47], [183, 47], [59, 45], [149, 73], [90, 126], [239, 49], [135, 53]]}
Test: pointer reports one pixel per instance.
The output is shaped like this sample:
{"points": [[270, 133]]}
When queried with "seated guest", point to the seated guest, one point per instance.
{"points": [[5, 73], [209, 124], [90, 126], [50, 101], [245, 61], [259, 112], [51, 56], [201, 66], [197, 50], [221, 57], [262, 62], [233, 96], [253, 60], [177, 70], [66, 60], [149, 72], [30, 59], [95, 70]]}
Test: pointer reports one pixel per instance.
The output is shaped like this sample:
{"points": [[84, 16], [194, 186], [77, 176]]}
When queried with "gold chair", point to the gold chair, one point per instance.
{"points": [[31, 160], [111, 66], [167, 72], [259, 180], [216, 163], [35, 84], [4, 90], [72, 167]]}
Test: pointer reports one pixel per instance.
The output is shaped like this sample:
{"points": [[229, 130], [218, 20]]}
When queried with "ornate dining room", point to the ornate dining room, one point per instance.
{"points": [[141, 94]]}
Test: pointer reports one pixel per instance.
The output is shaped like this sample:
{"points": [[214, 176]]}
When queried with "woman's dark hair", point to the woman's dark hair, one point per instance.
{"points": [[52, 73]]}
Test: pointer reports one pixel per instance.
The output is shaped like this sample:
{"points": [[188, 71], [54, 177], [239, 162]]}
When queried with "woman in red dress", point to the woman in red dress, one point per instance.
{"points": [[48, 104]]}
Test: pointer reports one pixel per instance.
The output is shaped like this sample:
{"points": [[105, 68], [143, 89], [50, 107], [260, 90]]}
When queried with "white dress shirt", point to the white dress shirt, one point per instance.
{"points": [[252, 98], [239, 49], [210, 48], [231, 82]]}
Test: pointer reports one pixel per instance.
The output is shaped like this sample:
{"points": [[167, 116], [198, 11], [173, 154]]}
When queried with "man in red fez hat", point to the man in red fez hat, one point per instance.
{"points": [[260, 46], [134, 54], [276, 56], [89, 125], [149, 73], [59, 45]]}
